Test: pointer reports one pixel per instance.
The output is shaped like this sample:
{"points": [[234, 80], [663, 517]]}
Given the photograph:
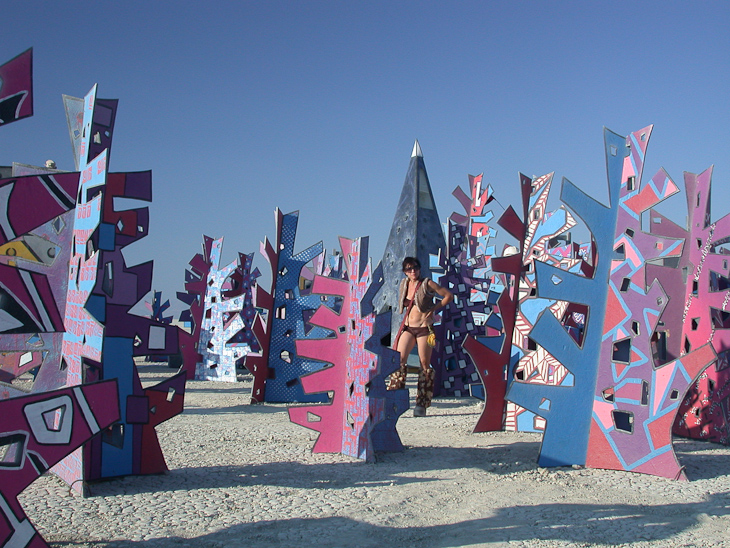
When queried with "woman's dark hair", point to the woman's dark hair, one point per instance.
{"points": [[411, 261]]}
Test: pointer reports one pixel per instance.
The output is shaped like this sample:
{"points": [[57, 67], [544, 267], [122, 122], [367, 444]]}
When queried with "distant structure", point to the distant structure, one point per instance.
{"points": [[416, 232]]}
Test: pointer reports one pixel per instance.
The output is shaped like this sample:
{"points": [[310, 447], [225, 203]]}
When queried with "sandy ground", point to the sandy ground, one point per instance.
{"points": [[243, 475]]}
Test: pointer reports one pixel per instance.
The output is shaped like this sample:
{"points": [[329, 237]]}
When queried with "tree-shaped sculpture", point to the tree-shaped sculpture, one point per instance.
{"points": [[568, 409], [287, 316], [700, 292], [356, 375], [221, 322], [195, 286], [634, 401], [454, 369], [493, 354], [536, 365], [242, 282]]}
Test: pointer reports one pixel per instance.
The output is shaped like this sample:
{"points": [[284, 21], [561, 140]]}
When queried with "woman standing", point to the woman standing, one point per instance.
{"points": [[416, 297]]}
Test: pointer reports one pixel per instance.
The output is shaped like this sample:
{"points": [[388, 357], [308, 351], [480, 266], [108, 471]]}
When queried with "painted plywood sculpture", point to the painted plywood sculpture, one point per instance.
{"points": [[196, 277], [634, 402], [493, 355], [243, 282], [416, 232], [222, 320], [467, 313], [83, 333], [35, 249], [699, 293], [631, 403], [69, 298], [157, 308], [288, 317], [16, 88], [536, 365], [38, 431], [131, 446], [360, 416]]}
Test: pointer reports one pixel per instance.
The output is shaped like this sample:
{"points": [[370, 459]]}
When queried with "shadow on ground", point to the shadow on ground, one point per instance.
{"points": [[573, 524]]}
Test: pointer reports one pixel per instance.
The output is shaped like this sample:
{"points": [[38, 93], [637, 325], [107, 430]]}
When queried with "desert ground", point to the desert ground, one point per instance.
{"points": [[243, 475]]}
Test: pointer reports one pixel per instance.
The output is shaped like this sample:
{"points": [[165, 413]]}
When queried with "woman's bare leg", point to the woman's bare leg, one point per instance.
{"points": [[406, 342], [425, 375]]}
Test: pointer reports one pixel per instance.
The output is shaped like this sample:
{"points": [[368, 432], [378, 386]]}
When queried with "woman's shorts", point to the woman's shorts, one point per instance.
{"points": [[417, 332]]}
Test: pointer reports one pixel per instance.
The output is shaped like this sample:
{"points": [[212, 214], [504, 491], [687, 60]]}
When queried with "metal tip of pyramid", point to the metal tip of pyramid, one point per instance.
{"points": [[416, 150]]}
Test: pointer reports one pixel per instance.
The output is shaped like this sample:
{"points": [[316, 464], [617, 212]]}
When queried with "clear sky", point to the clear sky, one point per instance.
{"points": [[241, 107]]}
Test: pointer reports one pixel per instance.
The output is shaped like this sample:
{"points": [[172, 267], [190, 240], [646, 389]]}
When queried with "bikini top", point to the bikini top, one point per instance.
{"points": [[424, 297]]}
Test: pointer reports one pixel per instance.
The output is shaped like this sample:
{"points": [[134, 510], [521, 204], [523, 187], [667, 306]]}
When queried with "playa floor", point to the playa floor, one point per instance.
{"points": [[243, 475]]}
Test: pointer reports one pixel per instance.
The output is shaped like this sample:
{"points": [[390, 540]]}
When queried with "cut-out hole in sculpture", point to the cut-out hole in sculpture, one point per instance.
{"points": [[311, 417], [659, 347], [555, 279], [53, 419], [695, 323], [630, 232], [718, 282], [636, 327], [57, 225], [609, 394], [545, 404], [285, 356], [720, 318], [12, 448], [630, 183], [622, 351], [644, 393], [625, 285], [281, 313], [623, 421], [674, 394], [292, 382], [687, 346], [170, 394], [342, 329], [114, 435], [350, 421]]}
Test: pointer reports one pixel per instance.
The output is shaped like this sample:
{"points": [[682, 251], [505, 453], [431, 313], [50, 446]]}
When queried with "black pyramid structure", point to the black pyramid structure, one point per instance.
{"points": [[416, 232]]}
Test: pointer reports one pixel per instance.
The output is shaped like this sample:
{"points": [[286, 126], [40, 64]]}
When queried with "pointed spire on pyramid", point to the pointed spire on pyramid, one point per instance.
{"points": [[416, 232]]}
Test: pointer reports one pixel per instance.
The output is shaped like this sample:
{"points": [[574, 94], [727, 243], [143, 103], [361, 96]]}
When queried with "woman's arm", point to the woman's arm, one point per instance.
{"points": [[446, 295]]}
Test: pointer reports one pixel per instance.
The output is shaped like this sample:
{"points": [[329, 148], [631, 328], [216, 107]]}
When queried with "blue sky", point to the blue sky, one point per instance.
{"points": [[242, 107]]}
